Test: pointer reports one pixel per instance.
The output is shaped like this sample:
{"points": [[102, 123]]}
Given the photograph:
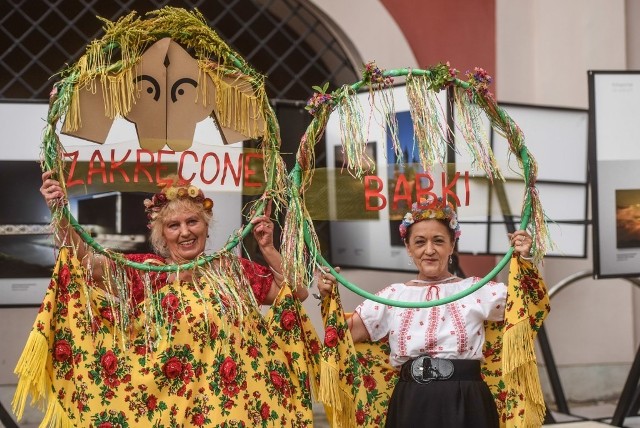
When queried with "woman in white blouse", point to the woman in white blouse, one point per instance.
{"points": [[438, 350]]}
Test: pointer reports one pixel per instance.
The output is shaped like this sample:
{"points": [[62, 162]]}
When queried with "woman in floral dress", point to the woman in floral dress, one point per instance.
{"points": [[116, 346], [437, 352]]}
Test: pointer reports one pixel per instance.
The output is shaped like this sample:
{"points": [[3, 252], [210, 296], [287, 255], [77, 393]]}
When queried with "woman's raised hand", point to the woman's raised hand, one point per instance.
{"points": [[326, 281], [521, 242], [263, 228], [51, 190]]}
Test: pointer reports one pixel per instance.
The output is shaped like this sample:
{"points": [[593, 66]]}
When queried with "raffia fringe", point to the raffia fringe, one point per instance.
{"points": [[32, 375], [341, 403], [430, 131], [240, 110], [33, 380], [118, 93], [521, 371], [354, 142]]}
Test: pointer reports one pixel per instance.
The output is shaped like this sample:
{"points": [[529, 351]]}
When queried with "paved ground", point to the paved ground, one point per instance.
{"points": [[591, 415]]}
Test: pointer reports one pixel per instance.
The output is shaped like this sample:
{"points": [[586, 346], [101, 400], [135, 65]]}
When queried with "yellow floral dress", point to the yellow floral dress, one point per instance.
{"points": [[183, 356]]}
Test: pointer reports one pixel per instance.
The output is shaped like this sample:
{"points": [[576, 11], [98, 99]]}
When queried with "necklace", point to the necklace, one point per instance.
{"points": [[437, 281]]}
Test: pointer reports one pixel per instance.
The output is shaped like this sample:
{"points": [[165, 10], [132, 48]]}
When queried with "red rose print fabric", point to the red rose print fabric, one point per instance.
{"points": [[187, 357]]}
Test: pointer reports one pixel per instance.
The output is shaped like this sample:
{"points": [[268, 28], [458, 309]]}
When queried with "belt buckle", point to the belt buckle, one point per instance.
{"points": [[424, 369]]}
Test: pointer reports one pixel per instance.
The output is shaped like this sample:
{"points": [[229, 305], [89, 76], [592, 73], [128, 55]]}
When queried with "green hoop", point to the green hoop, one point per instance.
{"points": [[204, 41], [526, 211]]}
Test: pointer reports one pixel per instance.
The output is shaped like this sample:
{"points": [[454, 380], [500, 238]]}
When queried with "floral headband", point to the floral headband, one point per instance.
{"points": [[177, 189], [430, 210]]}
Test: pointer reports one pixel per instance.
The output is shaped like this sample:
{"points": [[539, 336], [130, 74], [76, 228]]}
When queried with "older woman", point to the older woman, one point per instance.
{"points": [[121, 346], [179, 229], [437, 350]]}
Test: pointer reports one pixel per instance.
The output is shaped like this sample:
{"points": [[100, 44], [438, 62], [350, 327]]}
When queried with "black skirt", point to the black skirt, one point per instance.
{"points": [[463, 401]]}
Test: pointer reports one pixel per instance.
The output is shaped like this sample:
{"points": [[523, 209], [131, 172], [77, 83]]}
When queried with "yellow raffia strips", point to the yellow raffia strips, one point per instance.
{"points": [[541, 236], [73, 121], [428, 122], [119, 93], [305, 156], [117, 297], [224, 280], [32, 374], [388, 112], [152, 311], [469, 121], [239, 110], [190, 29], [221, 281], [129, 37], [506, 127], [354, 143], [296, 254]]}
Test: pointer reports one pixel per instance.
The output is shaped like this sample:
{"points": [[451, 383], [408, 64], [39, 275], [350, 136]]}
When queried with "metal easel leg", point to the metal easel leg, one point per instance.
{"points": [[552, 372], [626, 397], [6, 418]]}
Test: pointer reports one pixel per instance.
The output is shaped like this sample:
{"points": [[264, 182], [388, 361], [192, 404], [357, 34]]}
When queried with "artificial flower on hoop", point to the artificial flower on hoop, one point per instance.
{"points": [[480, 80], [319, 99], [430, 209], [373, 75], [441, 76], [175, 189]]}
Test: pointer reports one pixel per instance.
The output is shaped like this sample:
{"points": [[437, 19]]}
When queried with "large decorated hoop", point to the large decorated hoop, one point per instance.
{"points": [[471, 97], [111, 67]]}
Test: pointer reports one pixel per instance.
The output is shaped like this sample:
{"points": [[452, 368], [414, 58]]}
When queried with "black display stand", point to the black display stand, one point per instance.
{"points": [[629, 402], [630, 396], [6, 419]]}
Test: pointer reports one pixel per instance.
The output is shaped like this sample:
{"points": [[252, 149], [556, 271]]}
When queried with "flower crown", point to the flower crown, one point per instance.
{"points": [[431, 210], [175, 189]]}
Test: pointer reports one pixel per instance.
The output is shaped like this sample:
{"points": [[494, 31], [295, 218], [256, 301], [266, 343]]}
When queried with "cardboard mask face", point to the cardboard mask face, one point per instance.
{"points": [[170, 100]]}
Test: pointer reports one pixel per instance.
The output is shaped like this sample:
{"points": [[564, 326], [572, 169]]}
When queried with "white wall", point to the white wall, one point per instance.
{"points": [[364, 21], [545, 47]]}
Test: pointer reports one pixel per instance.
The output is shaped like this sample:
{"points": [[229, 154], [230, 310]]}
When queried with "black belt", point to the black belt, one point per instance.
{"points": [[424, 369]]}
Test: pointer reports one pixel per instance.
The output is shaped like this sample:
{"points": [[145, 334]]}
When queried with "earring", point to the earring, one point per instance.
{"points": [[450, 259]]}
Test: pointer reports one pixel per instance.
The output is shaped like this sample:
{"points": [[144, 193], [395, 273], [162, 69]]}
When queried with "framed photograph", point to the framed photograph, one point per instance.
{"points": [[614, 161]]}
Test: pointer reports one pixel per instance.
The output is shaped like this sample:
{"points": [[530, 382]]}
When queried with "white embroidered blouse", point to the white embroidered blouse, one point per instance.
{"points": [[454, 330]]}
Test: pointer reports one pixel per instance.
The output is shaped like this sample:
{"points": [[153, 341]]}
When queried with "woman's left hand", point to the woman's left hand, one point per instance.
{"points": [[326, 281], [521, 242], [263, 228]]}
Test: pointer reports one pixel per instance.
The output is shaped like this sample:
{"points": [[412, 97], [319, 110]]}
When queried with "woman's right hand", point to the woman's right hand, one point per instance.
{"points": [[51, 190], [326, 281], [53, 195]]}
